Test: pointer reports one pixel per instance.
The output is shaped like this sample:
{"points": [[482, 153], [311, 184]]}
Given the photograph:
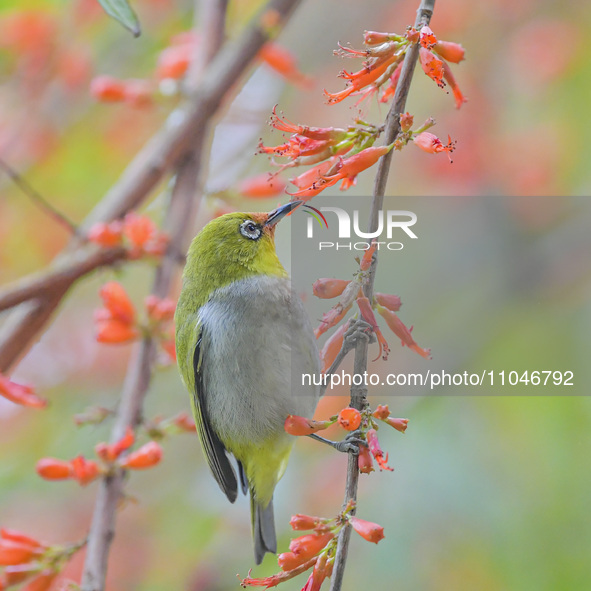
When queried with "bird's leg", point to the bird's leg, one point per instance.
{"points": [[350, 444]]}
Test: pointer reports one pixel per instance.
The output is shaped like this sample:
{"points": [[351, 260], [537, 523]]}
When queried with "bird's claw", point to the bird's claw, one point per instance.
{"points": [[350, 444]]}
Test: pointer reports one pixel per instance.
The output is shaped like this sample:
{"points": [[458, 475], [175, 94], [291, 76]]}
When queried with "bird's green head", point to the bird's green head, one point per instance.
{"points": [[233, 247]]}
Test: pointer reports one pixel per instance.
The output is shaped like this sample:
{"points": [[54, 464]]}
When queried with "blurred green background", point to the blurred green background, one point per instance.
{"points": [[489, 492]]}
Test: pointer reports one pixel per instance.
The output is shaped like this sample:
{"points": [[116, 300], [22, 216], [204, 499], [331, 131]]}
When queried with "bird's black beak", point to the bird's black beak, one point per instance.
{"points": [[278, 214]]}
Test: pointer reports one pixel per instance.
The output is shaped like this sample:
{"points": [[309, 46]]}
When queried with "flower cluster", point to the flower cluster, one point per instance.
{"points": [[110, 456], [337, 154], [20, 393], [27, 560], [316, 550], [383, 55], [363, 423], [117, 321], [138, 233], [350, 292]]}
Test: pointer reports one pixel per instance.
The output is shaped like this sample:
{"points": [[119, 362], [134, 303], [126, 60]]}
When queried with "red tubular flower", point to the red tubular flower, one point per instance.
{"points": [[320, 572], [17, 536], [430, 143], [432, 66], [313, 175], [146, 456], [381, 412], [390, 91], [274, 580], [368, 315], [364, 461], [117, 302], [106, 235], [109, 453], [359, 162], [283, 62], [332, 347], [427, 38], [41, 583], [12, 553], [84, 471], [376, 450], [449, 78], [261, 186], [184, 423], [53, 469], [398, 424], [107, 89], [390, 301], [115, 332], [372, 532], [375, 38], [327, 134], [403, 333], [310, 544], [300, 426], [329, 288], [331, 318], [452, 52], [367, 258], [363, 78], [304, 522], [20, 394], [287, 561], [349, 419]]}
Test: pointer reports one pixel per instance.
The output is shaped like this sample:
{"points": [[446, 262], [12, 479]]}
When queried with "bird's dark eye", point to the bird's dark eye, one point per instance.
{"points": [[250, 229]]}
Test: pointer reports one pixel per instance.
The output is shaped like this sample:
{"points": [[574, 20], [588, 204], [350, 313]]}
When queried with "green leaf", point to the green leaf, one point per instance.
{"points": [[120, 10]]}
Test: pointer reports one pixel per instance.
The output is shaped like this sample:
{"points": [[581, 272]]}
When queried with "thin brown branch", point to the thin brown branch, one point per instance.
{"points": [[157, 158], [359, 393], [37, 198], [64, 272]]}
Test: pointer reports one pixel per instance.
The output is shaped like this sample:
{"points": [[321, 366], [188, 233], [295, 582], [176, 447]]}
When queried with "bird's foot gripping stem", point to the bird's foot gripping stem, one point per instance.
{"points": [[350, 444]]}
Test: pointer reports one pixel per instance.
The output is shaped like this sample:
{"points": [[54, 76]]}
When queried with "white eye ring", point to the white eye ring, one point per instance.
{"points": [[250, 229]]}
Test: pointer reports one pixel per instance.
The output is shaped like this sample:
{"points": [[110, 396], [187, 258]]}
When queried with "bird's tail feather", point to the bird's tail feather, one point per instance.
{"points": [[263, 529]]}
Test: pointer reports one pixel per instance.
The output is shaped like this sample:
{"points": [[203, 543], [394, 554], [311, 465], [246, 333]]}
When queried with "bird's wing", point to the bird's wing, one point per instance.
{"points": [[214, 449]]}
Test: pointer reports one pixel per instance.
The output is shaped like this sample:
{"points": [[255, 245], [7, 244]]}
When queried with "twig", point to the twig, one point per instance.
{"points": [[37, 198], [157, 158], [359, 393]]}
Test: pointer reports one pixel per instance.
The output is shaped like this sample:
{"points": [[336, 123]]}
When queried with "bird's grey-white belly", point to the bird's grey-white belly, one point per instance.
{"points": [[257, 342]]}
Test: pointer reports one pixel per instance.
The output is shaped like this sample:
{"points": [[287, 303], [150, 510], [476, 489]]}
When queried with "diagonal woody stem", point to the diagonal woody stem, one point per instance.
{"points": [[359, 393]]}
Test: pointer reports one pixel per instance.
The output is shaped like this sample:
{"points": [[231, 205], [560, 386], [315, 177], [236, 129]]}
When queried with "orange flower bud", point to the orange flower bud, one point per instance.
{"points": [[85, 471], [367, 258], [406, 121], [117, 302], [368, 315], [184, 423], [349, 419], [398, 424], [300, 426], [115, 332], [107, 89], [332, 347], [372, 532], [303, 522], [174, 61], [12, 552], [452, 52], [20, 394], [376, 450], [364, 461], [261, 186], [381, 412], [106, 235], [430, 143], [331, 318], [109, 453], [52, 469], [329, 288], [288, 560], [432, 66], [146, 456], [390, 301], [375, 38], [17, 536], [310, 544], [41, 583]]}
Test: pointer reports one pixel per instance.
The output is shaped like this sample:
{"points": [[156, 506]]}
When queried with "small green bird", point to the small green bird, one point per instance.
{"points": [[243, 340]]}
